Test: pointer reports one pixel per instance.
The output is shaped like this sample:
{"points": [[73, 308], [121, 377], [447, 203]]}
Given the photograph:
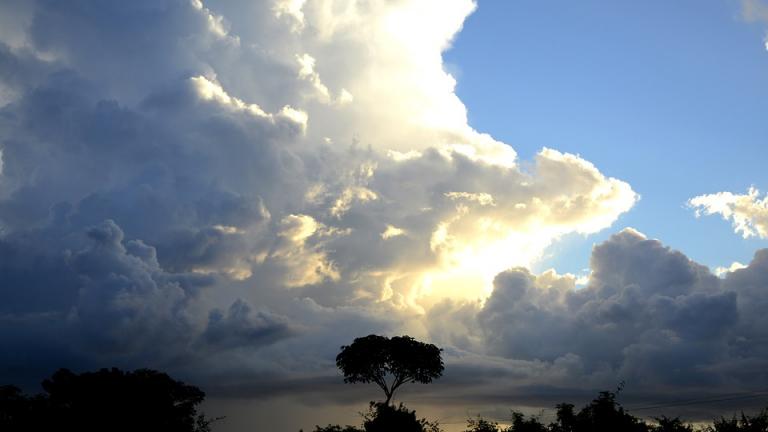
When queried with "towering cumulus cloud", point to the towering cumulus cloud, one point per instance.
{"points": [[233, 189], [185, 181]]}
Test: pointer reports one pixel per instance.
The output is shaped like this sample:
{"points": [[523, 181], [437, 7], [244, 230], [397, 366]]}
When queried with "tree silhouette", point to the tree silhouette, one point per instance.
{"points": [[389, 363], [521, 424], [109, 399], [757, 423], [666, 424], [565, 420], [604, 414], [481, 425], [335, 428], [17, 410]]}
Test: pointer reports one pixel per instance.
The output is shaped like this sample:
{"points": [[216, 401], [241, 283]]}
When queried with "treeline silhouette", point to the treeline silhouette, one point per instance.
{"points": [[150, 401], [105, 400], [603, 414], [389, 363]]}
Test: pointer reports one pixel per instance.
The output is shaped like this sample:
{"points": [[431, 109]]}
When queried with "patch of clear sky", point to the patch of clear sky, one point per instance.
{"points": [[670, 96]]}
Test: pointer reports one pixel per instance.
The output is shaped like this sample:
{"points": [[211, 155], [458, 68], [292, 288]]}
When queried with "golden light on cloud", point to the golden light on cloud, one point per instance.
{"points": [[748, 212], [467, 269]]}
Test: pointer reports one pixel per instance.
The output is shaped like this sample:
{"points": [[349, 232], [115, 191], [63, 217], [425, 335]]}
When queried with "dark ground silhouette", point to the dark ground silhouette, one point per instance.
{"points": [[105, 400], [392, 362], [111, 400], [603, 414]]}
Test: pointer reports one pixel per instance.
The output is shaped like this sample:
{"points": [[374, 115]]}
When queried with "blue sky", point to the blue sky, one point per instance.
{"points": [[668, 96]]}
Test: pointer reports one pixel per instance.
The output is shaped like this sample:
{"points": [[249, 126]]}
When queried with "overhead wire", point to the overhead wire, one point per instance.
{"points": [[700, 401]]}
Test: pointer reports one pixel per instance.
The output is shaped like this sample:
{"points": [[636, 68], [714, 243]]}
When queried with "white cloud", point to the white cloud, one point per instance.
{"points": [[307, 72], [292, 8], [723, 271], [216, 23], [748, 213], [392, 231]]}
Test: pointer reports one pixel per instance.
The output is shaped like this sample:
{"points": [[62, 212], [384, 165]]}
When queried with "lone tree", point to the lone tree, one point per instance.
{"points": [[389, 363]]}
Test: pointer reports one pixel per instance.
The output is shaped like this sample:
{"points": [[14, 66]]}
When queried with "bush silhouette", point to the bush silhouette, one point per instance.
{"points": [[603, 414], [109, 399], [666, 424], [481, 425], [383, 417], [336, 428], [745, 423]]}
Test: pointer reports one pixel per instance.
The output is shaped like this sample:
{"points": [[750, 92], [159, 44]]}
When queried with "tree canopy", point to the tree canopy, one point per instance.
{"points": [[389, 362], [108, 399]]}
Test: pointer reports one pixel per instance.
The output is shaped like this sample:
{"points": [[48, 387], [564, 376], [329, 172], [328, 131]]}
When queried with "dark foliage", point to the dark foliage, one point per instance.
{"points": [[17, 410], [521, 424], [666, 424], [389, 363], [481, 425], [745, 423], [604, 414], [565, 420], [336, 428], [109, 399], [383, 417]]}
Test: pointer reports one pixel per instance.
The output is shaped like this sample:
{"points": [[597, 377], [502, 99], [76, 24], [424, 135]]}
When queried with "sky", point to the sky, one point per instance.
{"points": [[678, 87], [563, 196]]}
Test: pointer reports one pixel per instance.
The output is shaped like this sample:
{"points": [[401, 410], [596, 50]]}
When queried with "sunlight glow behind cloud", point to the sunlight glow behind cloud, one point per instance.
{"points": [[357, 183]]}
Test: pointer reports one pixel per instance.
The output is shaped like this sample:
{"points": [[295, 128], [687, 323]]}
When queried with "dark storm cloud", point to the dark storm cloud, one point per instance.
{"points": [[92, 187], [648, 316], [240, 327]]}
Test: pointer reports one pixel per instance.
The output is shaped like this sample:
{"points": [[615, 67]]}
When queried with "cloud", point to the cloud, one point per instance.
{"points": [[233, 189], [722, 271], [239, 327], [641, 298], [649, 316], [748, 213]]}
